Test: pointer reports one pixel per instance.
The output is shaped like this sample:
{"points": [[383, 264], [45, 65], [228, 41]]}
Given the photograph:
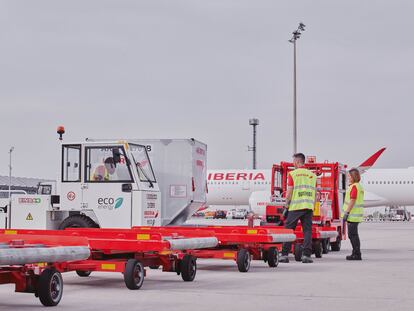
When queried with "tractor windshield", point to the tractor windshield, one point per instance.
{"points": [[142, 163]]}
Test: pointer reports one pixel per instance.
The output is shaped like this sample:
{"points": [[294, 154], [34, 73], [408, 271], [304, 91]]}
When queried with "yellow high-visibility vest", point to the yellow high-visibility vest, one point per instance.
{"points": [[98, 176], [304, 189], [357, 212]]}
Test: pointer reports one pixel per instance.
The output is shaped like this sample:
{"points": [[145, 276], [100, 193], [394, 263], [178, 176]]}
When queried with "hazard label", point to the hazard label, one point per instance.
{"points": [[29, 217]]}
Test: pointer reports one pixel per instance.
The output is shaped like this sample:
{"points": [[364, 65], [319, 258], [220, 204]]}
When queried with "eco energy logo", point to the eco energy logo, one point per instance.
{"points": [[110, 203], [118, 202]]}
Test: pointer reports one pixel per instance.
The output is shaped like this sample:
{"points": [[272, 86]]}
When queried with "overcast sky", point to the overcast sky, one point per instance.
{"points": [[180, 69]]}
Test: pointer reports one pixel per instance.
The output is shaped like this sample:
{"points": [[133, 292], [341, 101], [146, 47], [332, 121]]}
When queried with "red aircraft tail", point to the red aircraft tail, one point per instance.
{"points": [[367, 164]]}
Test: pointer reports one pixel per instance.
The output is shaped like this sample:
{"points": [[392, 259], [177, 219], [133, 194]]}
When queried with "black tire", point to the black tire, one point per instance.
{"points": [[133, 274], [78, 221], [50, 287], [317, 248], [83, 274], [188, 268], [273, 257], [298, 250], [326, 244], [243, 260], [336, 246]]}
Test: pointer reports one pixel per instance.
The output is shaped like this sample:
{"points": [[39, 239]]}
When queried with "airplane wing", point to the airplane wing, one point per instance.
{"points": [[367, 164], [373, 200]]}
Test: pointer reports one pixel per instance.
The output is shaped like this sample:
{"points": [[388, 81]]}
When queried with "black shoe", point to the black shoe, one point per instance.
{"points": [[306, 259], [354, 257], [284, 259]]}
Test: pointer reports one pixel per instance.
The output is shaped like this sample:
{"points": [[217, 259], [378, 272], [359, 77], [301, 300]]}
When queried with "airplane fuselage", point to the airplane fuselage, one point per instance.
{"points": [[383, 187]]}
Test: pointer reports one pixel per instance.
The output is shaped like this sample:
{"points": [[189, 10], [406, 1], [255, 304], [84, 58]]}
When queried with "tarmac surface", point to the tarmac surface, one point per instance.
{"points": [[384, 280]]}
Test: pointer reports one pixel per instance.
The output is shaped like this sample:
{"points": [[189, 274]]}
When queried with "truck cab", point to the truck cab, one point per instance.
{"points": [[107, 184]]}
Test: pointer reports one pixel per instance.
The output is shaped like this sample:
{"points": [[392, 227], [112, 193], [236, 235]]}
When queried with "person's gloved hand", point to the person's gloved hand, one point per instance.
{"points": [[346, 215]]}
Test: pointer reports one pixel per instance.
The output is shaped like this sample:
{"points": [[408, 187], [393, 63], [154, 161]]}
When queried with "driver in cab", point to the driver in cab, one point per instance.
{"points": [[105, 171]]}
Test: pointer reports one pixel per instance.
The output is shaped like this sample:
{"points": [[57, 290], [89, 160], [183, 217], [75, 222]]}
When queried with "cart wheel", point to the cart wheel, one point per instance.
{"points": [[133, 274], [188, 268], [326, 244], [336, 246], [50, 287], [83, 274], [317, 248], [243, 260], [272, 257], [298, 252]]}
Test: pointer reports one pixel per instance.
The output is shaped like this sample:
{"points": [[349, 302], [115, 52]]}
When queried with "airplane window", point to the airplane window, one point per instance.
{"points": [[388, 182], [380, 182]]}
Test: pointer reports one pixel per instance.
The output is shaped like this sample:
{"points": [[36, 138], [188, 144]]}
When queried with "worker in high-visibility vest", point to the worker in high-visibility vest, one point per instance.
{"points": [[353, 212], [104, 171], [300, 202]]}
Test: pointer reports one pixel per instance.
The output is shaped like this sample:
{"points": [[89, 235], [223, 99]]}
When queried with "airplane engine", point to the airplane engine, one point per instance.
{"points": [[258, 201]]}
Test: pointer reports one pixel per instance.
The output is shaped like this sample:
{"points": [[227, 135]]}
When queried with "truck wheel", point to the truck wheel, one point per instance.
{"points": [[326, 244], [336, 246], [50, 287], [273, 257], [243, 260], [188, 268], [133, 274], [298, 250], [83, 274], [77, 221], [317, 248]]}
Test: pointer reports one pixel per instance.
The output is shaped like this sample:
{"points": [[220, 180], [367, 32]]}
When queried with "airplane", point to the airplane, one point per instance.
{"points": [[383, 187]]}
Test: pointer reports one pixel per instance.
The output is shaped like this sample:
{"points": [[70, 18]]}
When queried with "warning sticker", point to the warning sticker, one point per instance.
{"points": [[29, 217], [178, 191]]}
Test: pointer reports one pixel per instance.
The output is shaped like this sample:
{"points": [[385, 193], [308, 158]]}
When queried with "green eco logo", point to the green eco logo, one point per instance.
{"points": [[118, 202]]}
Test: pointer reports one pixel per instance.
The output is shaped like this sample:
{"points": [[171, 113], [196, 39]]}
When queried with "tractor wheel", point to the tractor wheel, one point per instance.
{"points": [[78, 221]]}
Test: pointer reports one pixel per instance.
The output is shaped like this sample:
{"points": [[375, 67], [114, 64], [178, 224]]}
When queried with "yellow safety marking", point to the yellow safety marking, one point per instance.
{"points": [[126, 146], [143, 236], [228, 255], [165, 252], [251, 231], [145, 228], [29, 217], [317, 210], [41, 264], [10, 232], [108, 266]]}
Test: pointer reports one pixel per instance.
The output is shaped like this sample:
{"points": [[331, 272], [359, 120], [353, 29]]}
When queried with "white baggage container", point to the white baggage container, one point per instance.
{"points": [[180, 167]]}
